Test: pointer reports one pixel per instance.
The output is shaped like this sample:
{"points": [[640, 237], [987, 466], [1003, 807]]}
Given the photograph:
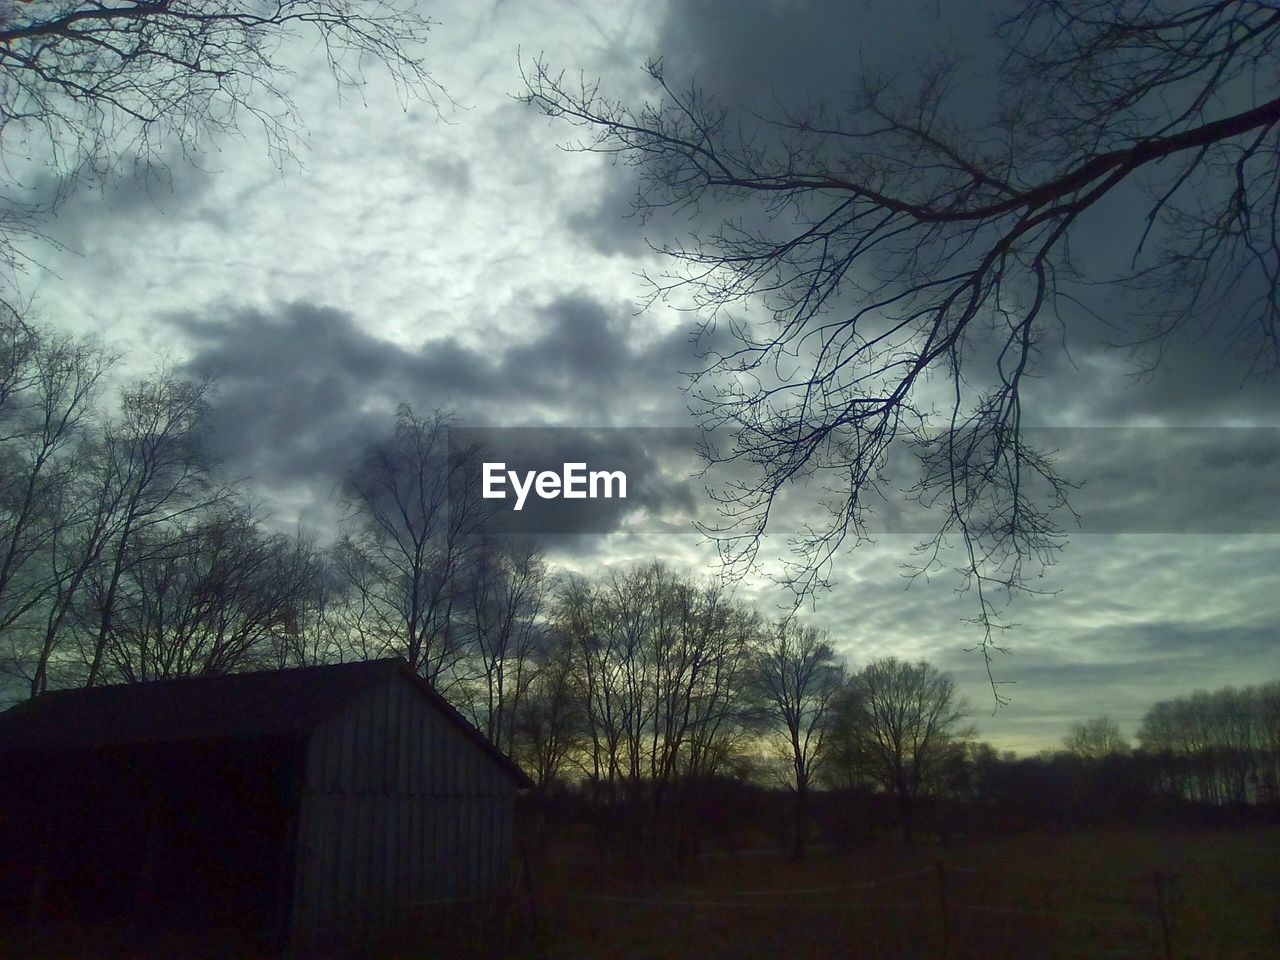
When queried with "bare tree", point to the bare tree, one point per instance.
{"points": [[206, 595], [317, 630], [86, 85], [86, 519], [505, 591], [46, 415], [78, 486], [1095, 738], [576, 618], [902, 722], [798, 678], [547, 723], [660, 665], [19, 342], [1218, 747], [893, 239], [152, 470], [413, 524], [719, 685]]}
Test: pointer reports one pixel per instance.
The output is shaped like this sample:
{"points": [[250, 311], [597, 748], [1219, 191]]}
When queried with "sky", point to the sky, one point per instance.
{"points": [[459, 257]]}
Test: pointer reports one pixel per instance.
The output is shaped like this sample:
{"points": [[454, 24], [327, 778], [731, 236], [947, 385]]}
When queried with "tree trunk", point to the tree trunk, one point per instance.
{"points": [[802, 821], [907, 812]]}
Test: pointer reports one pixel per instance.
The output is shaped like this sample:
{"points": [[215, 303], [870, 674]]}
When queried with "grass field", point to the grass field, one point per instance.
{"points": [[1082, 895]]}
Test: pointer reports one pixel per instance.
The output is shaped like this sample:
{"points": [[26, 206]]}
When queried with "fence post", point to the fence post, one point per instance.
{"points": [[942, 903], [1164, 914]]}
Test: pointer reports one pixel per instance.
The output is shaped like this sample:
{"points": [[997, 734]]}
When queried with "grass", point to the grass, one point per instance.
{"points": [[1069, 896], [1081, 895]]}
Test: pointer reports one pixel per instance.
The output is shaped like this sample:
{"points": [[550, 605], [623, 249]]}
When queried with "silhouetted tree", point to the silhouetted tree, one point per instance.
{"points": [[660, 664], [894, 240], [505, 588], [1219, 747], [901, 722], [151, 470], [313, 630], [411, 540], [548, 721], [797, 679], [47, 416], [1095, 738], [206, 595]]}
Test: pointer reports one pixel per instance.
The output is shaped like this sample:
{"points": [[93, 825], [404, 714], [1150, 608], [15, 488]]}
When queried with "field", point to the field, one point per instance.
{"points": [[1102, 894], [1087, 895]]}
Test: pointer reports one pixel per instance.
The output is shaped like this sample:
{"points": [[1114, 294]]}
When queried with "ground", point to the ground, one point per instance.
{"points": [[1100, 894], [1093, 894]]}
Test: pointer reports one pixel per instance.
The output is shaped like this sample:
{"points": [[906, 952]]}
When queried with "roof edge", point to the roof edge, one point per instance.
{"points": [[523, 780]]}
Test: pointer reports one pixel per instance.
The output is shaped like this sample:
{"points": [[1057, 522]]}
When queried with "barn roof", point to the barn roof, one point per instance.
{"points": [[243, 705]]}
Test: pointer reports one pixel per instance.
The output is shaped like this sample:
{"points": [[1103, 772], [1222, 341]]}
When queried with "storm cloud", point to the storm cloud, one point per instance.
{"points": [[461, 260]]}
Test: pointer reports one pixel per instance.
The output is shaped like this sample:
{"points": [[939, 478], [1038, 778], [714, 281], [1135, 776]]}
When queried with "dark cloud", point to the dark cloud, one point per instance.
{"points": [[300, 389], [76, 210], [763, 59], [749, 56], [578, 344], [764, 54], [1089, 369], [607, 220]]}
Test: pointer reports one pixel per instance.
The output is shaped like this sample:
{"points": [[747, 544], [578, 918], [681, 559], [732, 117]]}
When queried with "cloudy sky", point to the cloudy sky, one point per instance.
{"points": [[461, 259]]}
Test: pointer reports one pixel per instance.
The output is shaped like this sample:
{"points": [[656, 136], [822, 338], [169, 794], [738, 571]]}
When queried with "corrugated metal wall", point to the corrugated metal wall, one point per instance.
{"points": [[401, 813]]}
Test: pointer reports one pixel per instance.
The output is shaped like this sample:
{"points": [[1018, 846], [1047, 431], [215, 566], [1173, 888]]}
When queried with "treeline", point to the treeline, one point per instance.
{"points": [[121, 555], [660, 692], [1211, 758], [126, 555], [646, 697], [962, 786], [1219, 747]]}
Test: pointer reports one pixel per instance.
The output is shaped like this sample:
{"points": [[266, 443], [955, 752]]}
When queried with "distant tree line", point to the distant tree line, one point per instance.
{"points": [[1211, 758], [1219, 747], [659, 702], [659, 693], [126, 554], [121, 555]]}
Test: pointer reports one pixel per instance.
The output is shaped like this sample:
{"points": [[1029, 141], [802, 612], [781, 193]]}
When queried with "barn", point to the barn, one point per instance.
{"points": [[329, 805]]}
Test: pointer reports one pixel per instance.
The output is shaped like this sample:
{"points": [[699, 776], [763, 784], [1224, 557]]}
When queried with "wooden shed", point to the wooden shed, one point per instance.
{"points": [[324, 805]]}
